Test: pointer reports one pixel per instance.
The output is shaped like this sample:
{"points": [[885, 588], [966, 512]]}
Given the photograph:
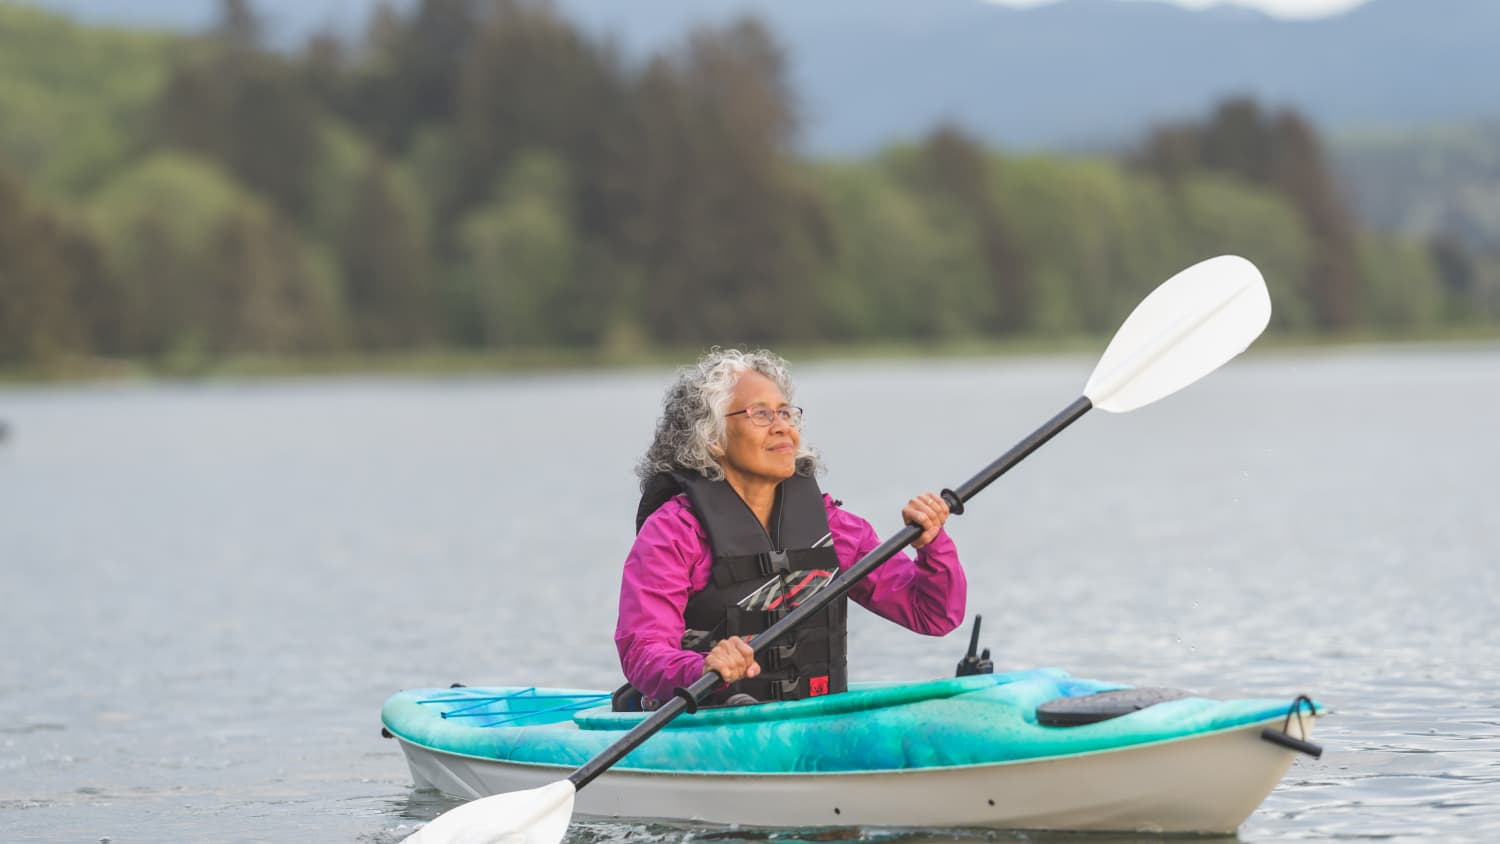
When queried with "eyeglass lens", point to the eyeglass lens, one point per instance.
{"points": [[763, 416]]}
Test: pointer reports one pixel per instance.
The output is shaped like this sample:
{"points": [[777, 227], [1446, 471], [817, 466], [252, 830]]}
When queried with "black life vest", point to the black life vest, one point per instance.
{"points": [[758, 577]]}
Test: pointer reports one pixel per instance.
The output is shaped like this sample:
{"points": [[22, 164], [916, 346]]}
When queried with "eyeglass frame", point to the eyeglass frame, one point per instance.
{"points": [[790, 414]]}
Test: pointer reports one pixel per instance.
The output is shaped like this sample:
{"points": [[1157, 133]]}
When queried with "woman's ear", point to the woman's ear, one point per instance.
{"points": [[715, 449]]}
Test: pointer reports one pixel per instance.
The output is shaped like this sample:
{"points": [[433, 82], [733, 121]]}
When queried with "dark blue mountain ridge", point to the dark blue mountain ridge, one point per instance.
{"points": [[1072, 74]]}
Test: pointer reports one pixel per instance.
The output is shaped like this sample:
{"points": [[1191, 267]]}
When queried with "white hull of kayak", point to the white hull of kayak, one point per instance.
{"points": [[1207, 783]]}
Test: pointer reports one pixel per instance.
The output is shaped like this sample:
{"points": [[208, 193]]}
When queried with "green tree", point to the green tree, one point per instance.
{"points": [[409, 78], [1092, 253], [725, 232], [386, 266], [1280, 152], [1240, 140], [530, 81], [1459, 272], [74, 100], [266, 295], [38, 325], [233, 103], [1218, 215], [1403, 287], [206, 269], [959, 170], [898, 269], [520, 262], [1303, 174]]}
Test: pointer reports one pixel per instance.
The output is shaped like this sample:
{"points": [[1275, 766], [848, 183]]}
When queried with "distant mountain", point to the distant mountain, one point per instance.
{"points": [[1073, 74], [1443, 179]]}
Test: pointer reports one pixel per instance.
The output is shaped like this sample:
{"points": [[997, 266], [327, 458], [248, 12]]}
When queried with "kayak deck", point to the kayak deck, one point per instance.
{"points": [[964, 721], [959, 753]]}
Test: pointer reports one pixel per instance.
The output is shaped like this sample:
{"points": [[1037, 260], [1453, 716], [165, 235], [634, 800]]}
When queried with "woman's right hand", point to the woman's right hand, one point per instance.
{"points": [[927, 511], [733, 658]]}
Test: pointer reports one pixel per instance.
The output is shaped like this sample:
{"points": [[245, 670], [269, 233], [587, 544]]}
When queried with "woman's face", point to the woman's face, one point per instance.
{"points": [[752, 453]]}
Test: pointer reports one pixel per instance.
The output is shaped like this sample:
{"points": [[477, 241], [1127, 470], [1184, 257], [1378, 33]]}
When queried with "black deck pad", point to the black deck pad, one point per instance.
{"points": [[1101, 706]]}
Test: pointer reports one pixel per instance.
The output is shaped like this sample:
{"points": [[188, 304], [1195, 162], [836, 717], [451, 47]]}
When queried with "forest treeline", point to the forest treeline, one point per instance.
{"points": [[481, 174]]}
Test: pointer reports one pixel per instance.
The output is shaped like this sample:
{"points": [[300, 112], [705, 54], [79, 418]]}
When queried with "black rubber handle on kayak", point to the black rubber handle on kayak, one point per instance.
{"points": [[836, 588], [1285, 739], [1276, 736]]}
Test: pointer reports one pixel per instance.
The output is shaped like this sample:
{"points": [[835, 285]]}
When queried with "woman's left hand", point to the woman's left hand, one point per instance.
{"points": [[927, 511]]}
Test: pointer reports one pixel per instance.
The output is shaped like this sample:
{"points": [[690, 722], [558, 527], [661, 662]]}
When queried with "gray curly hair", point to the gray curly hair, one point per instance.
{"points": [[692, 414]]}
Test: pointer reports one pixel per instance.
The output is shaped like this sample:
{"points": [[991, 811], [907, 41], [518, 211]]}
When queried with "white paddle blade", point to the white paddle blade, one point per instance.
{"points": [[535, 816], [1195, 322]]}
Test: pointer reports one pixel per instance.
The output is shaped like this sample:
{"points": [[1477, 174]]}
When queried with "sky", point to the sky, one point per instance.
{"points": [[1290, 9]]}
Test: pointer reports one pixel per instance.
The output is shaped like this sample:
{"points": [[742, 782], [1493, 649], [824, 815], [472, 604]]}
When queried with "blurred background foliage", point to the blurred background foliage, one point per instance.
{"points": [[484, 177]]}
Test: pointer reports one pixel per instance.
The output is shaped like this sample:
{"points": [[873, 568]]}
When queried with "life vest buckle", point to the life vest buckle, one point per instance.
{"points": [[773, 562], [784, 689], [770, 617], [774, 657]]}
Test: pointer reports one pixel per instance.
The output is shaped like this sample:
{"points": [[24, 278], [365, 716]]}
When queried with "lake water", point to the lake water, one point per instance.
{"points": [[209, 589]]}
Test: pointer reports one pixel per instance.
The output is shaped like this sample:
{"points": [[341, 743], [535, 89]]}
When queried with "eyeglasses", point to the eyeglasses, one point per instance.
{"points": [[763, 416]]}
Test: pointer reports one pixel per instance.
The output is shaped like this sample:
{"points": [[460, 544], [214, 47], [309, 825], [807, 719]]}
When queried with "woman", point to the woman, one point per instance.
{"points": [[733, 532]]}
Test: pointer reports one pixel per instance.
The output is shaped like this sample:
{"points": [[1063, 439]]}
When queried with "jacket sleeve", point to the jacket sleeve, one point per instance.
{"points": [[654, 591], [928, 594]]}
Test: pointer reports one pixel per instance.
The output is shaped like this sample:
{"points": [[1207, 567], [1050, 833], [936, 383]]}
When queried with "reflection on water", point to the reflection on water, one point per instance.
{"points": [[210, 589], [603, 832], [423, 806], [614, 832]]}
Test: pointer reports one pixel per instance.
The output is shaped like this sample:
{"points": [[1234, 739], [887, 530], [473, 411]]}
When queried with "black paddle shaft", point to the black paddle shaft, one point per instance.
{"points": [[688, 698]]}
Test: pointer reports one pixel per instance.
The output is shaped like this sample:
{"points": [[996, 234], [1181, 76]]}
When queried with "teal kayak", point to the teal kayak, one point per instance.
{"points": [[1028, 749]]}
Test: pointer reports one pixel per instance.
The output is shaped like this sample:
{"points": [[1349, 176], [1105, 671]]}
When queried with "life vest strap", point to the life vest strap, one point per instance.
{"points": [[730, 571]]}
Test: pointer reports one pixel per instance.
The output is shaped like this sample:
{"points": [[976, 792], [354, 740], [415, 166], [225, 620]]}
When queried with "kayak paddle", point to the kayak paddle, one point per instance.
{"points": [[1192, 324]]}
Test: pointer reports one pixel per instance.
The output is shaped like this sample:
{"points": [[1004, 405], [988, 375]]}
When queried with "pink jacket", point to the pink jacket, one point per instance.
{"points": [[671, 560]]}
